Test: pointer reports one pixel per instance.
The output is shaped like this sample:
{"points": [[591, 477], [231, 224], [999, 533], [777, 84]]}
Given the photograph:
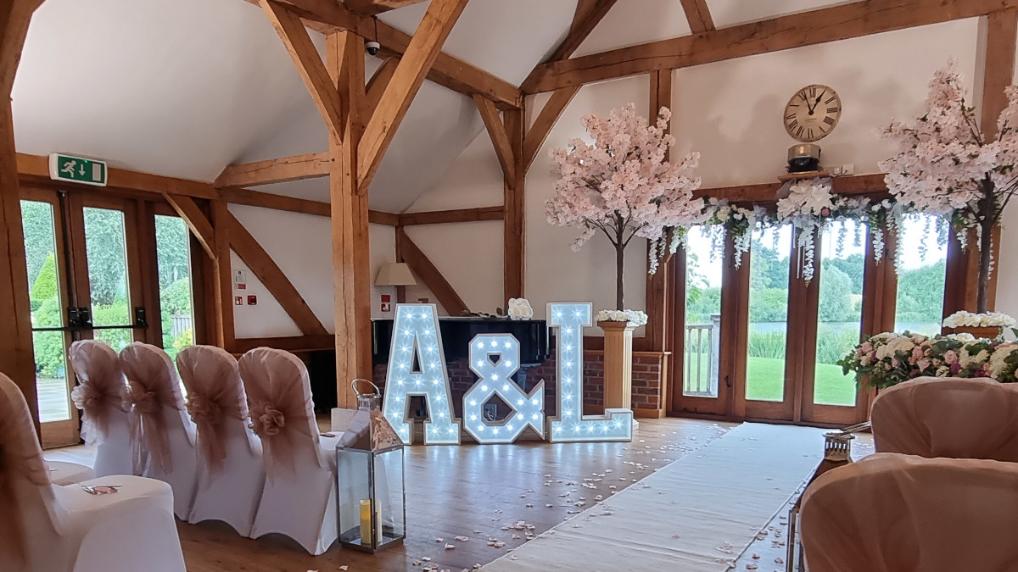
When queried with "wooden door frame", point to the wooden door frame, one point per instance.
{"points": [[66, 432]]}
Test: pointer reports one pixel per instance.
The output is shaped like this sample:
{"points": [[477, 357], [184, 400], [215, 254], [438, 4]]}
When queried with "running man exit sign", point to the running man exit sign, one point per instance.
{"points": [[77, 170]]}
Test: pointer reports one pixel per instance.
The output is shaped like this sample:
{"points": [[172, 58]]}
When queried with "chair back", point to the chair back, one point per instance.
{"points": [[215, 398], [101, 389], [157, 405], [27, 504], [903, 513], [282, 411], [948, 417]]}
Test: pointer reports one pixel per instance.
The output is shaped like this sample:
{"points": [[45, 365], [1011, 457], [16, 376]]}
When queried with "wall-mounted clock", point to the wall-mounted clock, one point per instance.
{"points": [[812, 113]]}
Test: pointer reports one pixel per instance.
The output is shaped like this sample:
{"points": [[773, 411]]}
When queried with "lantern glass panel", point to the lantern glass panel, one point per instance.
{"points": [[371, 498]]}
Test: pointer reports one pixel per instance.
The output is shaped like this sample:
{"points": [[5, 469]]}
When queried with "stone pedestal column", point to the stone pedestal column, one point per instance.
{"points": [[618, 364]]}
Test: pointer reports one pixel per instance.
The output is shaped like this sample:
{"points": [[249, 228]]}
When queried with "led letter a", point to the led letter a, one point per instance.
{"points": [[415, 334]]}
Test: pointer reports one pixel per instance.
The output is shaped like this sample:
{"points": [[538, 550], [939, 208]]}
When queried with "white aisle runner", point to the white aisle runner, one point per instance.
{"points": [[696, 514]]}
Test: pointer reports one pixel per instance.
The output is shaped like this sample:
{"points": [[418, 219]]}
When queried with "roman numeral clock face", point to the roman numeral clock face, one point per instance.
{"points": [[812, 113]]}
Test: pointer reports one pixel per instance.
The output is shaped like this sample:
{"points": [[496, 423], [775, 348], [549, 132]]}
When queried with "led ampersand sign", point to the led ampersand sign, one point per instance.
{"points": [[417, 339], [571, 425], [415, 334], [496, 379]]}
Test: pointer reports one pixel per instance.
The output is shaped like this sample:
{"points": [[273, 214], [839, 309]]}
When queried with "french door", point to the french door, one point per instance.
{"points": [[758, 341], [87, 280]]}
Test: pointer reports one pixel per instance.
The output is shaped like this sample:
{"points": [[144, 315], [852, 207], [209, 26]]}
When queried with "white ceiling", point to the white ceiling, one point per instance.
{"points": [[185, 87]]}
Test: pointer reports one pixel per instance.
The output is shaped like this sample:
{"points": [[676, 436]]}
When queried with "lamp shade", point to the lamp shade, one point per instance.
{"points": [[394, 274]]}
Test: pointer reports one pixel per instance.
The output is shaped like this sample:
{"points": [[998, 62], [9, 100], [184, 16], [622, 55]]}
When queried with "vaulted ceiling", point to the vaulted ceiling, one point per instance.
{"points": [[185, 87]]}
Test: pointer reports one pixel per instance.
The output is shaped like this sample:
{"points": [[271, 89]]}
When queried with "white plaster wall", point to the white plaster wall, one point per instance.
{"points": [[731, 111], [301, 246], [1007, 266]]}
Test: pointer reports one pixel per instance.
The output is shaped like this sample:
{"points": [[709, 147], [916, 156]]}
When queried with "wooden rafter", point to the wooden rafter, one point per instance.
{"points": [[658, 301], [307, 61], [549, 115], [372, 7], [839, 22], [424, 47], [283, 169], [429, 274], [275, 281], [698, 15], [296, 205], [513, 198], [1001, 32], [588, 15], [327, 16], [499, 137], [195, 220], [223, 276], [449, 216], [377, 84]]}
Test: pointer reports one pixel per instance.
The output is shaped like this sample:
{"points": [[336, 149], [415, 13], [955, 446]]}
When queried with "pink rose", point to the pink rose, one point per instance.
{"points": [[950, 357]]}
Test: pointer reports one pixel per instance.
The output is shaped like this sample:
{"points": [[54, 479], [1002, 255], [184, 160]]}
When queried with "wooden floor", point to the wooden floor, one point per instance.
{"points": [[470, 491]]}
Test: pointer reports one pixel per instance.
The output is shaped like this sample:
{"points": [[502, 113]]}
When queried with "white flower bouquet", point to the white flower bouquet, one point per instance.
{"points": [[965, 319], [634, 317]]}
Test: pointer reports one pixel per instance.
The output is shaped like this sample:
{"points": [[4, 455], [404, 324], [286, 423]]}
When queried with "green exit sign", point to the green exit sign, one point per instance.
{"points": [[77, 170]]}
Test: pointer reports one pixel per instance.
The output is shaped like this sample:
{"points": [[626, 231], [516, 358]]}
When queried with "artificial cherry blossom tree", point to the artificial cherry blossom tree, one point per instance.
{"points": [[948, 167], [623, 185]]}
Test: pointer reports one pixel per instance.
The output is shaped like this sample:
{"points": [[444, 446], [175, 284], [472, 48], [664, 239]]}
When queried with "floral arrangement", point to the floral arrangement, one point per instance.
{"points": [[622, 185], [520, 309], [724, 219], [634, 317], [963, 319], [947, 166], [810, 206], [889, 358]]}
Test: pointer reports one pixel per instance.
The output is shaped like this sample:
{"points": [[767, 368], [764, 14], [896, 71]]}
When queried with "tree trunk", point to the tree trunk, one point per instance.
{"points": [[620, 258], [985, 246]]}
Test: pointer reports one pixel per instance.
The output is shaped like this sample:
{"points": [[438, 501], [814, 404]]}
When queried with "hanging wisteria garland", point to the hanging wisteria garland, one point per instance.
{"points": [[727, 220]]}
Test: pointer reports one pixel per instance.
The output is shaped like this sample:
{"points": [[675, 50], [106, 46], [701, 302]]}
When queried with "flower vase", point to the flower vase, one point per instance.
{"points": [[983, 332], [618, 364]]}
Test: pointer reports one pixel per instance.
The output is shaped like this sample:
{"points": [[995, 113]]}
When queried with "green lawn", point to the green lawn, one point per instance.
{"points": [[764, 378]]}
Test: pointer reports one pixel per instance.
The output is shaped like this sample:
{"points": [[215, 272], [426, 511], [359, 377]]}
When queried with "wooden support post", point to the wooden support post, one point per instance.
{"points": [[514, 263], [17, 359], [350, 245], [657, 283], [223, 280]]}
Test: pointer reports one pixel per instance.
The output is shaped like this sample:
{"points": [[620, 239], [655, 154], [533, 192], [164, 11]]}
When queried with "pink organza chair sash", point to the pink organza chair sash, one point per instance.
{"points": [[214, 395], [101, 387], [945, 417], [153, 387], [281, 409], [903, 513], [20, 464]]}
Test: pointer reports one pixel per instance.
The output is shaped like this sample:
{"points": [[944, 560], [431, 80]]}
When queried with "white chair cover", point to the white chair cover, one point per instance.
{"points": [[101, 395], [948, 417], [299, 499], [902, 513], [159, 423], [64, 473], [46, 527], [231, 473]]}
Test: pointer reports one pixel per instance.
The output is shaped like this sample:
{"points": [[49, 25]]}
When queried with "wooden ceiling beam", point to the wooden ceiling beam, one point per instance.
{"points": [[998, 71], [373, 7], [588, 15], [377, 84], [698, 16], [406, 80], [327, 16], [449, 216], [819, 26], [195, 220], [283, 169], [549, 115], [35, 168], [309, 64], [295, 205], [499, 136], [426, 270]]}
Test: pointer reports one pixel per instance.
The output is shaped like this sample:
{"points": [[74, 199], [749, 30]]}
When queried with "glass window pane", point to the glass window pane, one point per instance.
{"points": [[173, 260], [920, 298], [41, 258], [768, 314], [704, 269], [51, 376], [107, 267], [842, 263]]}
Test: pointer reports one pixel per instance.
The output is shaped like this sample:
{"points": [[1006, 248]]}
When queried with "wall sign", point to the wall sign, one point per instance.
{"points": [[79, 170], [417, 368]]}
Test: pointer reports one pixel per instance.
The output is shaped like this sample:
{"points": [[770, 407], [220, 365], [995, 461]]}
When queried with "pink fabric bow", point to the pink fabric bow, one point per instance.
{"points": [[101, 387], [153, 387], [267, 421], [214, 396]]}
